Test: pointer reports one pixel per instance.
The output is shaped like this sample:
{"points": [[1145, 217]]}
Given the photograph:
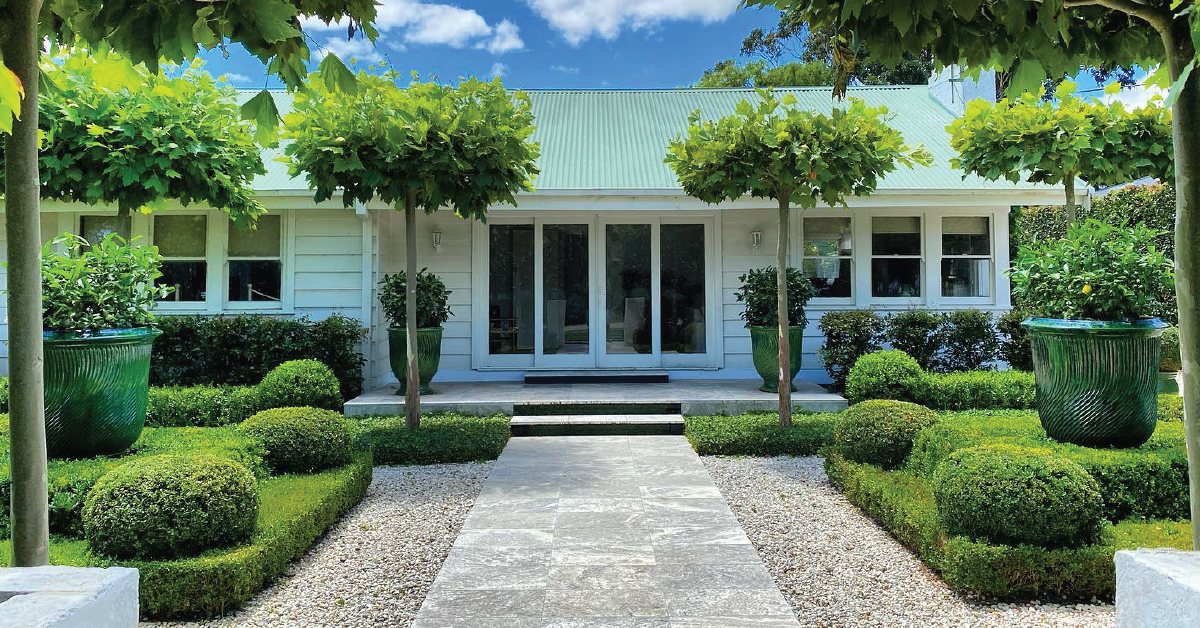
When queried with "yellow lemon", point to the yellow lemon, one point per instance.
{"points": [[1087, 288]]}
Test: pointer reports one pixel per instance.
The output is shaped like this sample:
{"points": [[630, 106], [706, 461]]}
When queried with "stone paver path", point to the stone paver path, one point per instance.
{"points": [[602, 531]]}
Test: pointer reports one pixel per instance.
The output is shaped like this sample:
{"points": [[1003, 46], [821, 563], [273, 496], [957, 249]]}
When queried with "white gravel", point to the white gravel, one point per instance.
{"points": [[837, 567], [373, 567]]}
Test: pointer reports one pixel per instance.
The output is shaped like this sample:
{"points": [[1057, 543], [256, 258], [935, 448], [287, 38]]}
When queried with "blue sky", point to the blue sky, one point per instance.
{"points": [[540, 43]]}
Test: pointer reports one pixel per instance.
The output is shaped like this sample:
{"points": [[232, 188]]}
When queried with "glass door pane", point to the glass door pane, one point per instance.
{"points": [[565, 290], [628, 297], [510, 290], [683, 289]]}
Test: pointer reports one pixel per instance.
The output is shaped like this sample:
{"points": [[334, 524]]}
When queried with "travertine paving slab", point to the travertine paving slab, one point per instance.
{"points": [[602, 532]]}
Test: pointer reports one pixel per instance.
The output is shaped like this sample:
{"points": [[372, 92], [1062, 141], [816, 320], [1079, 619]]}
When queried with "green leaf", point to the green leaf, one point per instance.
{"points": [[336, 76], [1177, 86], [11, 93], [261, 110], [1028, 75], [274, 19]]}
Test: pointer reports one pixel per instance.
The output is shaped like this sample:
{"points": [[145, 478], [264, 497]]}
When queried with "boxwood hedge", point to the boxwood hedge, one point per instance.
{"points": [[444, 437], [759, 434]]}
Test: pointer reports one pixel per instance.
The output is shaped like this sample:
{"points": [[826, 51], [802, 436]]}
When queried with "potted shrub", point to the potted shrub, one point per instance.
{"points": [[97, 331], [1095, 349], [1170, 362], [433, 309], [760, 295]]}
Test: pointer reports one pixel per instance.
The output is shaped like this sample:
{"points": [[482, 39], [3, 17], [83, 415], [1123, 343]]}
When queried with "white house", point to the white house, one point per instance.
{"points": [[608, 265]]}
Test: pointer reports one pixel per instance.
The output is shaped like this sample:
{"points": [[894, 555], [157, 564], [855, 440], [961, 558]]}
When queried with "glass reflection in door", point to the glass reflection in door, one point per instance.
{"points": [[565, 288], [628, 289], [510, 290], [683, 293]]}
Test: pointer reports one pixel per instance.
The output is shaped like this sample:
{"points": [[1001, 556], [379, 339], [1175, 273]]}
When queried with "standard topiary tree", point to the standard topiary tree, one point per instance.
{"points": [[797, 157], [300, 440], [888, 374], [300, 383], [168, 506], [427, 146], [880, 431]]}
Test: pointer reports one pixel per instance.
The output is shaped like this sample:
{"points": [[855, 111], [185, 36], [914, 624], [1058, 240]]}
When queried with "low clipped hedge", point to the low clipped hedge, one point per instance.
{"points": [[201, 406], [903, 502], [1148, 482], [70, 480], [884, 375], [170, 506], [894, 375], [300, 440], [759, 434], [444, 437], [880, 431], [300, 383]]}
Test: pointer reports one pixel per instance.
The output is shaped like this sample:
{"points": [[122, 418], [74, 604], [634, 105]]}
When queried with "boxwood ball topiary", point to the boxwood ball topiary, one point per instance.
{"points": [[880, 431], [300, 383], [170, 506], [884, 375], [1013, 495], [300, 440]]}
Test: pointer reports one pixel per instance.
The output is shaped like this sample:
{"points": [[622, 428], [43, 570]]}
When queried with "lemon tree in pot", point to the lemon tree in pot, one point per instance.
{"points": [[98, 328], [760, 293], [433, 309], [1095, 348]]}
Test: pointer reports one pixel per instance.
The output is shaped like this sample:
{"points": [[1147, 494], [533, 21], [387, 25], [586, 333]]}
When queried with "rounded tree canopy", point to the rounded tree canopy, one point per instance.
{"points": [[465, 147], [115, 133], [1044, 141], [772, 149]]}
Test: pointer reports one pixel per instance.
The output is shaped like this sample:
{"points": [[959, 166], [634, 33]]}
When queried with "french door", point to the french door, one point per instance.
{"points": [[601, 292]]}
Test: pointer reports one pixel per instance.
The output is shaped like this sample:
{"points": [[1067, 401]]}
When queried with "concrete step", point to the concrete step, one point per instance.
{"points": [[596, 424], [596, 407], [597, 377]]}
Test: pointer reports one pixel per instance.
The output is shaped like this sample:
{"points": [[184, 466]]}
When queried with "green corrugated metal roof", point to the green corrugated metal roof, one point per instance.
{"points": [[616, 139]]}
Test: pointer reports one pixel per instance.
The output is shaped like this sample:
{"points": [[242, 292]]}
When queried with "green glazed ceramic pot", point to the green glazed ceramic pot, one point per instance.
{"points": [[764, 347], [1097, 381], [429, 355], [97, 388]]}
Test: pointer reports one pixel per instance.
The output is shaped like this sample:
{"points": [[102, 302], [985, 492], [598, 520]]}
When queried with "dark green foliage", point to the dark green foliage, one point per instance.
{"points": [[849, 335], [442, 438], [884, 375], [977, 390], [760, 293], [299, 383], [759, 434], [879, 431], [919, 333], [3, 394], [240, 350], [170, 507], [433, 299], [200, 406], [1171, 360], [300, 440], [1014, 340], [971, 341], [1170, 408], [1010, 495], [107, 285], [70, 480]]}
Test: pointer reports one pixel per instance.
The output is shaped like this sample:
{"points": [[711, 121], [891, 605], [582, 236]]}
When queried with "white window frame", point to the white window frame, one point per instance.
{"points": [[868, 275], [171, 305], [233, 305], [827, 302], [993, 244]]}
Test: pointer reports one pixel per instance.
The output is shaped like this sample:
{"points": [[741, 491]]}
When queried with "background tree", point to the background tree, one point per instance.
{"points": [[145, 30], [730, 73], [795, 156], [428, 146], [1057, 141], [1038, 39]]}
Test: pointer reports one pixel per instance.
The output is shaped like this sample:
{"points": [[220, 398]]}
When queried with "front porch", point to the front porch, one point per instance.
{"points": [[693, 396]]}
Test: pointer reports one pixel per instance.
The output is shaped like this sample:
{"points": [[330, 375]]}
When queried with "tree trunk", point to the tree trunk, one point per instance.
{"points": [[785, 353], [30, 516], [412, 376], [1069, 184], [1185, 121]]}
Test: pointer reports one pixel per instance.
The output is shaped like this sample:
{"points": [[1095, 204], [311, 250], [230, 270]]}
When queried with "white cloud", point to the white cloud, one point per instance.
{"points": [[1136, 96], [432, 23], [234, 77], [358, 49], [579, 20], [564, 69], [499, 69]]}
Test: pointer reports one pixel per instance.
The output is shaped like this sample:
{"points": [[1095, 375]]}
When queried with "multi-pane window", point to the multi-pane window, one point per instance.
{"points": [[255, 263], [182, 240], [966, 256], [828, 254], [896, 256], [95, 228]]}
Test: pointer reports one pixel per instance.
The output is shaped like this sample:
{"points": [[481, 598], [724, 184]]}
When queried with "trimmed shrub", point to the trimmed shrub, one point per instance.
{"points": [[442, 438], [1014, 340], [1171, 360], [300, 383], [1011, 495], [884, 375], [880, 432], [240, 350], [971, 341], [200, 406], [759, 434], [760, 293], [1170, 408], [919, 333], [300, 440], [170, 506], [848, 336], [982, 390]]}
